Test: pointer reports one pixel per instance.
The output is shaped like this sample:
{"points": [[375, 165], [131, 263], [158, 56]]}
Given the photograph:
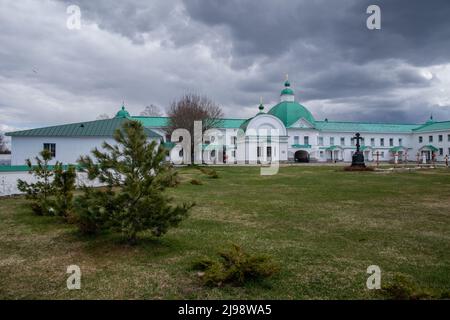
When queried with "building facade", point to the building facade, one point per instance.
{"points": [[287, 132]]}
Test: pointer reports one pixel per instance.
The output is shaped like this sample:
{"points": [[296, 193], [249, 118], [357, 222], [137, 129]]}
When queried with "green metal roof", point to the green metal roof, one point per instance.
{"points": [[232, 123], [433, 126], [97, 128], [161, 122], [342, 126], [429, 147], [290, 112], [288, 91], [156, 122], [122, 113]]}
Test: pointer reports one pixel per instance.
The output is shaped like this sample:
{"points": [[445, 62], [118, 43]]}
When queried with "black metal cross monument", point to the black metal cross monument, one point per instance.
{"points": [[358, 157]]}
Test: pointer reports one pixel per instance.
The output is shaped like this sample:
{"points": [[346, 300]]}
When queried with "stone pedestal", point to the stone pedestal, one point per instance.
{"points": [[358, 160]]}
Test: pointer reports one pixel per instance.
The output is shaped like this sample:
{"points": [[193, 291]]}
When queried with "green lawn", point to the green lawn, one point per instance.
{"points": [[322, 225]]}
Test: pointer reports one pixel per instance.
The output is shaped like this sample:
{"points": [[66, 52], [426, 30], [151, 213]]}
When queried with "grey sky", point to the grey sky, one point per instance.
{"points": [[234, 51]]}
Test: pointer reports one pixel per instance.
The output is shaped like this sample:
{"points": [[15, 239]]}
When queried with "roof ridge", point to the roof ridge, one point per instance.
{"points": [[364, 122], [66, 124], [150, 117]]}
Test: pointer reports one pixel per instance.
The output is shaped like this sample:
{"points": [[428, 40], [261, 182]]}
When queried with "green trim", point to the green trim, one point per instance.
{"points": [[332, 148], [25, 168], [304, 146]]}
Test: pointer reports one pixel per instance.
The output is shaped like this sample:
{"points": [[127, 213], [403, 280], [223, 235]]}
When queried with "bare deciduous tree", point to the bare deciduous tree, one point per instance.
{"points": [[3, 145], [190, 108], [151, 111]]}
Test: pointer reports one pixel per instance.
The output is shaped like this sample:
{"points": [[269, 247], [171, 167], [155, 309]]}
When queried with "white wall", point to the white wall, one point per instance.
{"points": [[444, 144], [5, 159], [8, 181], [68, 150]]}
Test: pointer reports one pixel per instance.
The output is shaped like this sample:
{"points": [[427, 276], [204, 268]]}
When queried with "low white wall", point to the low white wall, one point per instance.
{"points": [[5, 159], [8, 181]]}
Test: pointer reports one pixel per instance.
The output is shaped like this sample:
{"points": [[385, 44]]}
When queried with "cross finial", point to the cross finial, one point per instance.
{"points": [[260, 100], [287, 77]]}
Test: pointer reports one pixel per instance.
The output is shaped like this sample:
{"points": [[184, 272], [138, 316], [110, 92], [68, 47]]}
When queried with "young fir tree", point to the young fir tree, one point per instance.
{"points": [[135, 176], [41, 190], [64, 186]]}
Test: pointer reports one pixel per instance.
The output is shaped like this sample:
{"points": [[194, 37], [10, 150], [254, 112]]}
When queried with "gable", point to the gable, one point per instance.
{"points": [[302, 123]]}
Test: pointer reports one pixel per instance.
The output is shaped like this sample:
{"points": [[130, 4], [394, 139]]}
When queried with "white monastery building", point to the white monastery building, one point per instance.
{"points": [[298, 137]]}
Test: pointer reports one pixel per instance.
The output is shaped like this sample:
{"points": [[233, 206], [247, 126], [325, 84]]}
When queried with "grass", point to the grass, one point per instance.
{"points": [[322, 225]]}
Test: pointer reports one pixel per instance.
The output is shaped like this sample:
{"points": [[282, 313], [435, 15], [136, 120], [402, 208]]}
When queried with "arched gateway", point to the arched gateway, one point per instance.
{"points": [[301, 156]]}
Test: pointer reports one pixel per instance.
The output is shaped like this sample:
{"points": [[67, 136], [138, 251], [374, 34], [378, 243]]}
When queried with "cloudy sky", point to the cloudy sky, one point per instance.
{"points": [[153, 51]]}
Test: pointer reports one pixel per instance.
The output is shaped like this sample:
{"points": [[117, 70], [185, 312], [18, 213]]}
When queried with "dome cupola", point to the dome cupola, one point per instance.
{"points": [[123, 113], [287, 94]]}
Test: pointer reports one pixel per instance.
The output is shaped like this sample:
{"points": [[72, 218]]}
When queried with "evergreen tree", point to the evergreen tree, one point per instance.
{"points": [[41, 190], [135, 176], [64, 186]]}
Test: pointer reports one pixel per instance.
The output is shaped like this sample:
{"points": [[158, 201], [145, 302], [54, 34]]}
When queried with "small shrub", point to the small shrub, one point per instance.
{"points": [[401, 288], [196, 182], [209, 172], [236, 267]]}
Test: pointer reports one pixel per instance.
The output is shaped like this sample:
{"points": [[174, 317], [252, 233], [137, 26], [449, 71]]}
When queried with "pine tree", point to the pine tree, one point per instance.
{"points": [[42, 190], [64, 186], [135, 176]]}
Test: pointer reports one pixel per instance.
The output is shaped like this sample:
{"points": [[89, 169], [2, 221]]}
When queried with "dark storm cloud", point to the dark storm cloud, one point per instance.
{"points": [[234, 51]]}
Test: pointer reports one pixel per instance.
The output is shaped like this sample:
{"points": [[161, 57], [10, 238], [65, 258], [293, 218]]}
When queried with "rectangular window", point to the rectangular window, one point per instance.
{"points": [[353, 141], [363, 142], [448, 137], [306, 140], [440, 138], [382, 142], [342, 141], [441, 151], [51, 147], [269, 151], [296, 140], [331, 141], [391, 142], [420, 139], [320, 141], [233, 154], [372, 142], [400, 142], [233, 140], [258, 152], [382, 154], [321, 154], [430, 139]]}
